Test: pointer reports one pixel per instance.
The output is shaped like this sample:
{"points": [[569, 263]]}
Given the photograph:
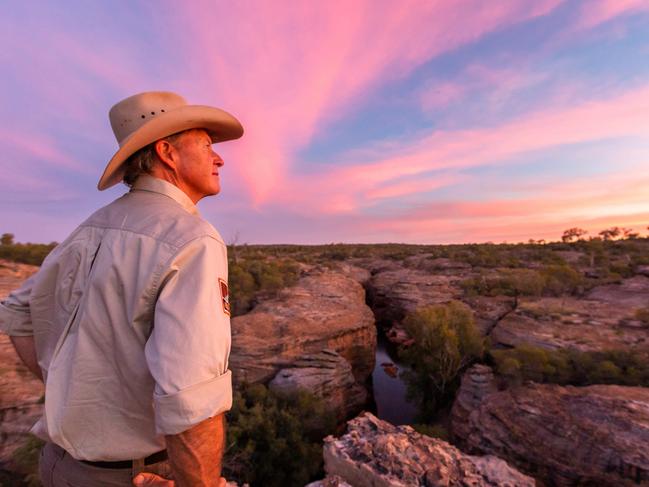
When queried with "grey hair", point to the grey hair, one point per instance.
{"points": [[142, 161]]}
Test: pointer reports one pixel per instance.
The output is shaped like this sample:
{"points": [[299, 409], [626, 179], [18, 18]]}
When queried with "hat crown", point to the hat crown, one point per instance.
{"points": [[127, 116]]}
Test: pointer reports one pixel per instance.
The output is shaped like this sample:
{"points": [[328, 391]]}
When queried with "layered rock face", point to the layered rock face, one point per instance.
{"points": [[326, 375], [396, 289], [325, 310], [374, 453], [568, 322], [565, 436]]}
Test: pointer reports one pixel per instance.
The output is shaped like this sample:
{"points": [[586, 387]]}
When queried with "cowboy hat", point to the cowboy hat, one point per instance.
{"points": [[141, 119]]}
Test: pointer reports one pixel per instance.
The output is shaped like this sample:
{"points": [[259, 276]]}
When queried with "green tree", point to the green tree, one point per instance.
{"points": [[446, 341], [7, 239], [276, 440], [573, 234], [560, 279]]}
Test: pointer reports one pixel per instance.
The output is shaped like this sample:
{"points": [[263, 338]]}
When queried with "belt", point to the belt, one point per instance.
{"points": [[150, 460]]}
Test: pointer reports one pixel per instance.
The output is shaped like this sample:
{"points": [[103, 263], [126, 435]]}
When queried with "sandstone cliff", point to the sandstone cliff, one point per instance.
{"points": [[325, 310], [565, 436], [374, 453], [326, 375]]}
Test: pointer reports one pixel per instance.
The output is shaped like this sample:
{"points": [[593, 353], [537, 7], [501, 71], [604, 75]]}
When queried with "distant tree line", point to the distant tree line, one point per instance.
{"points": [[613, 233], [26, 253]]}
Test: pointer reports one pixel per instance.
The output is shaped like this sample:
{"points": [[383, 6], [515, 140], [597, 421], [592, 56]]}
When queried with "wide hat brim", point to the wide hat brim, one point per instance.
{"points": [[218, 123]]}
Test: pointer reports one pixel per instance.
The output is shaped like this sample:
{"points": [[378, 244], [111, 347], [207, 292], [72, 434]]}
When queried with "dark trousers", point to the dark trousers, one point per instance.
{"points": [[58, 469]]}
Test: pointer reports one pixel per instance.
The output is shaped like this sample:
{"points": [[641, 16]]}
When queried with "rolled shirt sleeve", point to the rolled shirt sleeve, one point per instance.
{"points": [[188, 349], [15, 316]]}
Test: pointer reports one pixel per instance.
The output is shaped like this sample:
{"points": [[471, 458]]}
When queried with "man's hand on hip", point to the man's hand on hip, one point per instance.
{"points": [[152, 480]]}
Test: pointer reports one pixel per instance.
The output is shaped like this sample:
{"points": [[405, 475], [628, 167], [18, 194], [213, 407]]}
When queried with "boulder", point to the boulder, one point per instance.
{"points": [[324, 310], [378, 454], [488, 310], [358, 274], [326, 375], [398, 291], [595, 435], [568, 322], [394, 291], [12, 275], [632, 293], [642, 270], [333, 481]]}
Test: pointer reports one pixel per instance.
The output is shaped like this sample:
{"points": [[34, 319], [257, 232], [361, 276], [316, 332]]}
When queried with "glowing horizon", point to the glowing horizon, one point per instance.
{"points": [[366, 121]]}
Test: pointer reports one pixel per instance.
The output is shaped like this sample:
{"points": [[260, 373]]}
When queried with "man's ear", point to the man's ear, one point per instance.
{"points": [[166, 153]]}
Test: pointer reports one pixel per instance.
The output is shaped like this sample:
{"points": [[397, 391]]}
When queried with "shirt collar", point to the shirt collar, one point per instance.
{"points": [[157, 185]]}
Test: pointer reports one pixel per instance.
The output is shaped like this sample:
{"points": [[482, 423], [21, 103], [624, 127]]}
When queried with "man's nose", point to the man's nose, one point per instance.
{"points": [[217, 159]]}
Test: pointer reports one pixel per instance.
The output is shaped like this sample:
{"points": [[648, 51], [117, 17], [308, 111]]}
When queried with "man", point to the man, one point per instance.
{"points": [[128, 320]]}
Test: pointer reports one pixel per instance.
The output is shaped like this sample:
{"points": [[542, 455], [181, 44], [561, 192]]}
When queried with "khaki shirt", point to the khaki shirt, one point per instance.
{"points": [[130, 317]]}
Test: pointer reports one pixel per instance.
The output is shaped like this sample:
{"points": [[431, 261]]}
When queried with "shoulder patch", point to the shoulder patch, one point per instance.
{"points": [[225, 297]]}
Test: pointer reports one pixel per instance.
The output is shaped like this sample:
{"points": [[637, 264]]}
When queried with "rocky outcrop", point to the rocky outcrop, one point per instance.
{"points": [[20, 391], [565, 436], [631, 293], [396, 292], [333, 481], [477, 383], [326, 375], [359, 274], [488, 311], [568, 322], [397, 289], [325, 310], [377, 454]]}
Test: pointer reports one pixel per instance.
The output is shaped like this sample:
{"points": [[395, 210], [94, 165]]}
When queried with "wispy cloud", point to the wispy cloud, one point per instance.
{"points": [[621, 116], [596, 12], [290, 73]]}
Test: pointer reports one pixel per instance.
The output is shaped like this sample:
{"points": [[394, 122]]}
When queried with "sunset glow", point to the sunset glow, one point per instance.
{"points": [[365, 121]]}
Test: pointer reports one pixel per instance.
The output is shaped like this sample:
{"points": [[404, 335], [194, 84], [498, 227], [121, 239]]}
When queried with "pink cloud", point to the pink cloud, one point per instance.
{"points": [[593, 204], [404, 188], [621, 116], [289, 73], [42, 150], [594, 12], [443, 94], [491, 83]]}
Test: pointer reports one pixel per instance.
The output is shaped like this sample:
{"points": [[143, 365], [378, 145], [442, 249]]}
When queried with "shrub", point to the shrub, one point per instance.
{"points": [[510, 282], [552, 280], [446, 341], [560, 279], [253, 275], [572, 367], [26, 253], [275, 440], [25, 458]]}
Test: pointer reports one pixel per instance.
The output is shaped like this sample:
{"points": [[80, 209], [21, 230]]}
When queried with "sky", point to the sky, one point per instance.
{"points": [[428, 121]]}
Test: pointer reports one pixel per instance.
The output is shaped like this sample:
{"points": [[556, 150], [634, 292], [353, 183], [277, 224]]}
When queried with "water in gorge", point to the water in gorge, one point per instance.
{"points": [[389, 388]]}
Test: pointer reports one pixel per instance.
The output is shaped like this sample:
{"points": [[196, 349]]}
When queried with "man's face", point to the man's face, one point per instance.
{"points": [[198, 165]]}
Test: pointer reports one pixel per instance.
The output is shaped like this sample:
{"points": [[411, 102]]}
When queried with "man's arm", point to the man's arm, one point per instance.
{"points": [[26, 350], [196, 454]]}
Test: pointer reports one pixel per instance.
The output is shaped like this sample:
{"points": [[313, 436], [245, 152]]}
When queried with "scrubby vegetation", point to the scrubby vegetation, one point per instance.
{"points": [[571, 367], [252, 276], [275, 440], [25, 253], [25, 459], [446, 342], [552, 280]]}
